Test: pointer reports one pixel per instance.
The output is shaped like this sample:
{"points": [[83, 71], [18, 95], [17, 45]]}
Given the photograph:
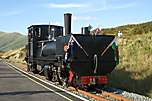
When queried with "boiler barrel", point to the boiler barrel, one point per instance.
{"points": [[49, 49]]}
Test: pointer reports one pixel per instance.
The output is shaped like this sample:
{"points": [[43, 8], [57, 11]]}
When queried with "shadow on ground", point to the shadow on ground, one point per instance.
{"points": [[123, 79]]}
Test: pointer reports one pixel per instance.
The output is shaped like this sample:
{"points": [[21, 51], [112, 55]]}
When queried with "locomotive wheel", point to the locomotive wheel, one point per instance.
{"points": [[41, 71], [63, 81], [29, 67], [75, 81], [62, 77], [32, 68], [47, 72]]}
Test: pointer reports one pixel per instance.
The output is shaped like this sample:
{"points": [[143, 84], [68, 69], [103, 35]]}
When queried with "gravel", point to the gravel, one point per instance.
{"points": [[135, 97], [128, 95]]}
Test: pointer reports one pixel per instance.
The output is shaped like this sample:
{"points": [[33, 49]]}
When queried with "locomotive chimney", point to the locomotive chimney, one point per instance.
{"points": [[67, 23]]}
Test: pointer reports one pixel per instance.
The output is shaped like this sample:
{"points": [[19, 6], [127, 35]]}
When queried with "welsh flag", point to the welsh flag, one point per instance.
{"points": [[116, 52], [114, 46]]}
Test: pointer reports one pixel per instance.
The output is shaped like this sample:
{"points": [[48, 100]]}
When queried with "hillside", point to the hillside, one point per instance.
{"points": [[134, 72], [10, 41], [131, 29]]}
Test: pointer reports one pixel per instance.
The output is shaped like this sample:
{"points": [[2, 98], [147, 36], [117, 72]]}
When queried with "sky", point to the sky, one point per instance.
{"points": [[17, 15]]}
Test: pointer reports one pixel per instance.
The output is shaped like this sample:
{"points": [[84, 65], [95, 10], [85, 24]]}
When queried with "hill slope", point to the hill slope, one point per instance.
{"points": [[134, 72], [131, 29], [10, 41]]}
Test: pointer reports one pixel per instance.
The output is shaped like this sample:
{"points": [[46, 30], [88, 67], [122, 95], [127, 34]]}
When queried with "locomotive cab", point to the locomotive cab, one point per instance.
{"points": [[44, 32]]}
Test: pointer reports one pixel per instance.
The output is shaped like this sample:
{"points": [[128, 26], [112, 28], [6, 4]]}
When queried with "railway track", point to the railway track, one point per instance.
{"points": [[83, 95], [103, 96]]}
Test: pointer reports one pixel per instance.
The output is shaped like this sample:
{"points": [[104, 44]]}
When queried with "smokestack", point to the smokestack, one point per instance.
{"points": [[67, 23]]}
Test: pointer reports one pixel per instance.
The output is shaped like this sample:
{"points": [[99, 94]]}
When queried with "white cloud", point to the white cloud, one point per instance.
{"points": [[67, 5], [107, 6], [84, 18], [132, 4], [11, 13]]}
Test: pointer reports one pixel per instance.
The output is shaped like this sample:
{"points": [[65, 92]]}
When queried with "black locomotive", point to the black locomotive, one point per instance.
{"points": [[79, 59]]}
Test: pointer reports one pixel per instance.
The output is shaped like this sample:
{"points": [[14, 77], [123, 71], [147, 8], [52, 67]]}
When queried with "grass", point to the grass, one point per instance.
{"points": [[134, 73]]}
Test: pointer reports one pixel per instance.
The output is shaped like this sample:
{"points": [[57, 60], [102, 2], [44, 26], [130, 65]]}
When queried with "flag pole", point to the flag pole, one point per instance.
{"points": [[72, 37], [108, 46]]}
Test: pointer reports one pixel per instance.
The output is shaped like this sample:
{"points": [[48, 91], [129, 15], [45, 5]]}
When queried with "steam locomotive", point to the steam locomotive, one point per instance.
{"points": [[76, 59]]}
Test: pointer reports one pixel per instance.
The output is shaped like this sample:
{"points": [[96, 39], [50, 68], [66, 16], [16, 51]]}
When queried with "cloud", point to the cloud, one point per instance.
{"points": [[11, 13], [132, 4], [67, 5], [107, 6], [84, 18]]}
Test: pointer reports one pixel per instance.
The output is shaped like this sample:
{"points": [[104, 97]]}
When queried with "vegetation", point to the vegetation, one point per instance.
{"points": [[129, 30], [134, 73], [10, 41]]}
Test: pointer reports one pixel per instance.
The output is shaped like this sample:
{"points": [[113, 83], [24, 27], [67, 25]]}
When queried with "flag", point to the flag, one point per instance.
{"points": [[116, 53], [114, 46]]}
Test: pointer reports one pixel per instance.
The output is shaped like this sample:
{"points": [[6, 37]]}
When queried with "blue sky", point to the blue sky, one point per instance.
{"points": [[17, 15]]}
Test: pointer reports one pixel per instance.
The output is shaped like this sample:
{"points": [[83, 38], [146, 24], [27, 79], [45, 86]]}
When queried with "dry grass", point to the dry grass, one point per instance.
{"points": [[17, 55], [134, 73], [1, 53]]}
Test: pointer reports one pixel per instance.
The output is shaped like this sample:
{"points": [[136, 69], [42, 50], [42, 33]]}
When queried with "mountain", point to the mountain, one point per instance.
{"points": [[10, 41]]}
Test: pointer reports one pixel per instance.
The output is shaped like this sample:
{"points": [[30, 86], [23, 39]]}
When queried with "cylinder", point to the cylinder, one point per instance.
{"points": [[85, 30], [67, 23]]}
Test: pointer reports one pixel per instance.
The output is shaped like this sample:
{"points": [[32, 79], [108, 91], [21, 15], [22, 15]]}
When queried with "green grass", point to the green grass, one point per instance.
{"points": [[134, 73], [10, 41], [132, 29]]}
